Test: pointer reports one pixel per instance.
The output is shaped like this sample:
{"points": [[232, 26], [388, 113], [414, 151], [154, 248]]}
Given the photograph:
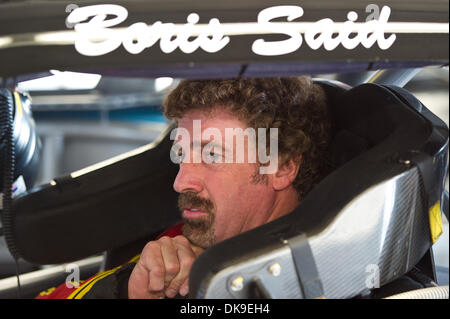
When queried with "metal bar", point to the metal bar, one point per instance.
{"points": [[398, 77], [41, 278]]}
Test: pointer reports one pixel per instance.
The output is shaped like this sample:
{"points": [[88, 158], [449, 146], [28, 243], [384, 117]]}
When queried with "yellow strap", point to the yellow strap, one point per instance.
{"points": [[81, 291], [18, 104], [87, 286], [135, 259], [435, 221]]}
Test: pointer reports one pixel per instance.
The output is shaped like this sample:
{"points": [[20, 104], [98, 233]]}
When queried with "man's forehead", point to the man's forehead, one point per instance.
{"points": [[212, 127], [212, 118]]}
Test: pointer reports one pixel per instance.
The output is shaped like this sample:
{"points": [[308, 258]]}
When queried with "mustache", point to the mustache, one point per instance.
{"points": [[192, 200]]}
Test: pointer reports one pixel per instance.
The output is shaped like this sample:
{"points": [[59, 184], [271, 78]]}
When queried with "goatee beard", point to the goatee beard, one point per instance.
{"points": [[200, 232]]}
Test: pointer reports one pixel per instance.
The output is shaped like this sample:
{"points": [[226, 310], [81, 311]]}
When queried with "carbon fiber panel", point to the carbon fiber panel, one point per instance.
{"points": [[373, 239]]}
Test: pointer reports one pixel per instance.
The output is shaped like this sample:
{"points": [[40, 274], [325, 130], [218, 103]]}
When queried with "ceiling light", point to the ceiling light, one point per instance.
{"points": [[62, 81], [163, 83]]}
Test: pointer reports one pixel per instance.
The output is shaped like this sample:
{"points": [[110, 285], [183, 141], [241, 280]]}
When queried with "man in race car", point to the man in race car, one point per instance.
{"points": [[219, 199]]}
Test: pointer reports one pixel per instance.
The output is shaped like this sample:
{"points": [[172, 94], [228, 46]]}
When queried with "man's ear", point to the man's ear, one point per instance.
{"points": [[286, 173]]}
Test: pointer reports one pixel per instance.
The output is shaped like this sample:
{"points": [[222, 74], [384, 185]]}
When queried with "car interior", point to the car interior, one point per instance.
{"points": [[368, 230], [375, 208]]}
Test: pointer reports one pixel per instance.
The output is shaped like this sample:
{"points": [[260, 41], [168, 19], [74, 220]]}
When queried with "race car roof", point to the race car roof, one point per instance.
{"points": [[35, 36]]}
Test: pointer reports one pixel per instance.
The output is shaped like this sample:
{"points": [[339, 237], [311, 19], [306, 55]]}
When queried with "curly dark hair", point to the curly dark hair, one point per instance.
{"points": [[294, 105]]}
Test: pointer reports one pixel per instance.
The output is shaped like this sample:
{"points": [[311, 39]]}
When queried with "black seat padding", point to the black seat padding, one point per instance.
{"points": [[107, 208]]}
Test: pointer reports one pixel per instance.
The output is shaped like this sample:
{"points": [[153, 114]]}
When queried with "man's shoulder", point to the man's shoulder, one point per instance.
{"points": [[110, 284]]}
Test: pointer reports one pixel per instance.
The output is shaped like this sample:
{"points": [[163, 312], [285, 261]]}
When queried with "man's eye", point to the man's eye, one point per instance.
{"points": [[214, 157], [181, 154]]}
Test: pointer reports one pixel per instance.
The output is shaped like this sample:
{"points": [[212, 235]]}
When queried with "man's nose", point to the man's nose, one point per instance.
{"points": [[188, 178]]}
